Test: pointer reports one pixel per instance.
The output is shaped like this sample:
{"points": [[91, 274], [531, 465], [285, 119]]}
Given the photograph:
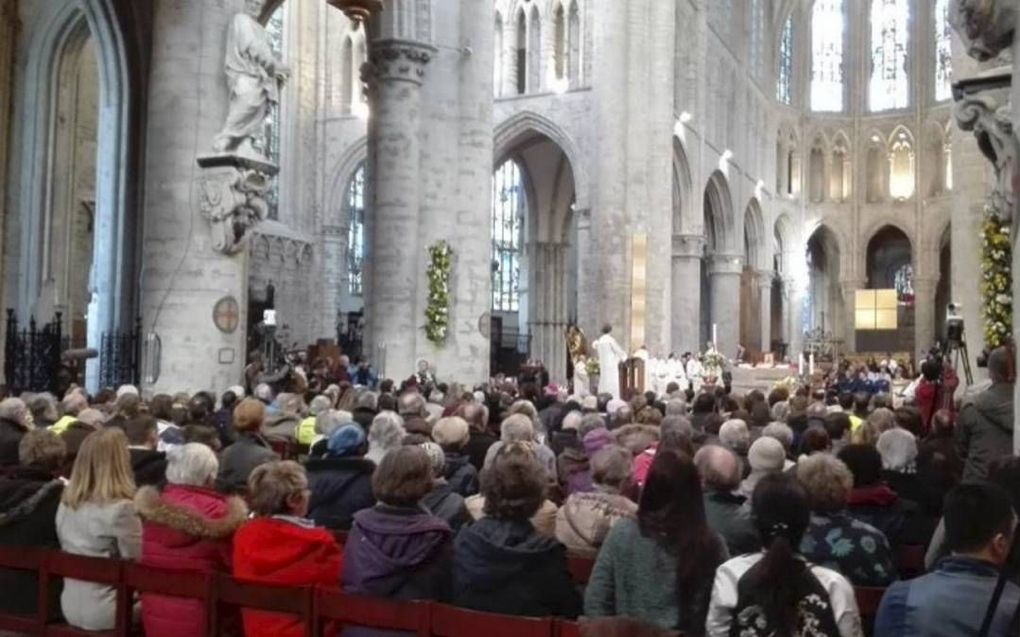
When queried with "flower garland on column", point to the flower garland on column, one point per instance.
{"points": [[437, 312], [996, 279]]}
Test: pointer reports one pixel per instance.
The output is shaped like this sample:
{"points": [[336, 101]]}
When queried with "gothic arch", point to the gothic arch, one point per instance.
{"points": [[720, 235], [509, 134], [756, 242], [356, 155], [118, 44], [685, 216], [840, 241]]}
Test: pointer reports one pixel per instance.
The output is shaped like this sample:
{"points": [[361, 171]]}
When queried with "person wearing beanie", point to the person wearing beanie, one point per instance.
{"points": [[442, 501], [766, 456], [452, 435], [341, 482]]}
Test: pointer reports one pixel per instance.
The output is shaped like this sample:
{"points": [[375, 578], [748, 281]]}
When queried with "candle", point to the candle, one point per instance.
{"points": [[800, 364], [715, 336], [811, 367]]}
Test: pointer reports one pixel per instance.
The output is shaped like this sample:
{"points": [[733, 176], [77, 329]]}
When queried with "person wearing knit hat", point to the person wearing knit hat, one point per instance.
{"points": [[442, 500], [452, 434], [341, 482], [766, 457]]}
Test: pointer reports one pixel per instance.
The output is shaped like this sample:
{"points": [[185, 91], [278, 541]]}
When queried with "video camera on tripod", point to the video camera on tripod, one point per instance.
{"points": [[954, 337]]}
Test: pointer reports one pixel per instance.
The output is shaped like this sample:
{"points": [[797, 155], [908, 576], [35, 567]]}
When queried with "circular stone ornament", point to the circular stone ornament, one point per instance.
{"points": [[226, 315]]}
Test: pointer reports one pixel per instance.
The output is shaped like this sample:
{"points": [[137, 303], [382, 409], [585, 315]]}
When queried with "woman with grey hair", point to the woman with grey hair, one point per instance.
{"points": [[898, 449], [189, 527], [326, 423], [386, 434], [15, 420], [519, 427], [584, 520]]}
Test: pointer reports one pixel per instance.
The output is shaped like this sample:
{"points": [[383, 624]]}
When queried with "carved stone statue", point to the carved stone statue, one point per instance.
{"points": [[985, 26], [234, 203], [254, 74]]}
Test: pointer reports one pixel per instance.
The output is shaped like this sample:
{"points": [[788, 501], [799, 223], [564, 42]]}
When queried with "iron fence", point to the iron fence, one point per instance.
{"points": [[32, 354]]}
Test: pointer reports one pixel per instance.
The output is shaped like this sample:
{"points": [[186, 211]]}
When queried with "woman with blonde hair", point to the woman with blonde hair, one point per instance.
{"points": [[97, 517]]}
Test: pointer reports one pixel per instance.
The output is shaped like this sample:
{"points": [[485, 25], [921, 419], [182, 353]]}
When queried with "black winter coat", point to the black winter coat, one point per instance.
{"points": [[29, 497], [149, 467], [477, 446], [461, 474], [340, 488], [10, 437], [505, 566]]}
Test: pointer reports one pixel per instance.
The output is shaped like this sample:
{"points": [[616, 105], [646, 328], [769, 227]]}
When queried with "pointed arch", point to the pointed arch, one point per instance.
{"points": [[756, 241], [719, 216], [508, 134], [684, 216]]}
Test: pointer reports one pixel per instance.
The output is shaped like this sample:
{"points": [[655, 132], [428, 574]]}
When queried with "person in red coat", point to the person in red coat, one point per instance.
{"points": [[280, 546], [188, 527]]}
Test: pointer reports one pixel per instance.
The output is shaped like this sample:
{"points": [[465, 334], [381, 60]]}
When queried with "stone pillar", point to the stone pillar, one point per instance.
{"points": [[924, 315], [185, 275], [394, 259], [792, 332], [765, 295], [587, 280], [334, 256], [846, 328], [549, 302], [8, 38], [685, 306], [509, 78], [724, 277]]}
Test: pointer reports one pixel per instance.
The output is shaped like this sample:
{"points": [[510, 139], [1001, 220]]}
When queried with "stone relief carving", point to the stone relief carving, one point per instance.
{"points": [[254, 75], [985, 26], [233, 201], [989, 116], [399, 60]]}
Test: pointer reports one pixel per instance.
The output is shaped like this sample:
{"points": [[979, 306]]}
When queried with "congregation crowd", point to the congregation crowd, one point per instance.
{"points": [[707, 514]]}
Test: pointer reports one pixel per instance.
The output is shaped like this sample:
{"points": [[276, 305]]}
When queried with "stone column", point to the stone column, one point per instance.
{"points": [[509, 78], [846, 329], [924, 314], [549, 303], [765, 294], [334, 255], [185, 274], [8, 38], [724, 277], [685, 305], [792, 332], [587, 280], [394, 257]]}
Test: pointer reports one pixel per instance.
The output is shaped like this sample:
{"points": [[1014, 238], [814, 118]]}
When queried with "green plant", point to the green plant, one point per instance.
{"points": [[437, 311], [996, 279]]}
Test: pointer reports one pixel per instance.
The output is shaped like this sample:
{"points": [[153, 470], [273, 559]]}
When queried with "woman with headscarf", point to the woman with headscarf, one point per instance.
{"points": [[898, 449]]}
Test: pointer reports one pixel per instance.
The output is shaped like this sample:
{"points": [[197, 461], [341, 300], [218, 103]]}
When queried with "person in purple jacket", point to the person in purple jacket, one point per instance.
{"points": [[397, 549]]}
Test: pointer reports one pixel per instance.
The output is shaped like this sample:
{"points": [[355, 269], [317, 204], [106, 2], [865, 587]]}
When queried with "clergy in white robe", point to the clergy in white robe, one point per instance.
{"points": [[694, 373], [610, 356], [677, 373], [660, 376]]}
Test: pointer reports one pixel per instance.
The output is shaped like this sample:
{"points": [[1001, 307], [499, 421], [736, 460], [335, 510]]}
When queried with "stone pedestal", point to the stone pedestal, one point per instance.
{"points": [[685, 306], [724, 277], [394, 256], [184, 276]]}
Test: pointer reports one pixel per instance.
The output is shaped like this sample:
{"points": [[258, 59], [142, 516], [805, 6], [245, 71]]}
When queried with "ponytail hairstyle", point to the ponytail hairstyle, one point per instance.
{"points": [[781, 512], [672, 513]]}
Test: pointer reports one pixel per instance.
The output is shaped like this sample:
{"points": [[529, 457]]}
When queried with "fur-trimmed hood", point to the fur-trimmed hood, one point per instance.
{"points": [[153, 507]]}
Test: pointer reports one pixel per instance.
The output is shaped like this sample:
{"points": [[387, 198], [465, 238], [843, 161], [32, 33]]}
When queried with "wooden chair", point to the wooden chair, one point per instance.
{"points": [[580, 567], [448, 621], [285, 600], [335, 606], [910, 560], [24, 558], [97, 570], [868, 600]]}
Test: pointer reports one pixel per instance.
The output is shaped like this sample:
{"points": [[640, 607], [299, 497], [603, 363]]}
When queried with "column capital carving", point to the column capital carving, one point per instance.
{"points": [[731, 264], [765, 278], [691, 246], [986, 27], [987, 112], [399, 61]]}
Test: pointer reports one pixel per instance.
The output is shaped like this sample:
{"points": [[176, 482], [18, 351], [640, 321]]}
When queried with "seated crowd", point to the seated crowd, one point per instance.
{"points": [[707, 514]]}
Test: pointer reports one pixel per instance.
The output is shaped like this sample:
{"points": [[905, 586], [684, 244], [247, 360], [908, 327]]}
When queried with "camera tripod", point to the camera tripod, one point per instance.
{"points": [[956, 351]]}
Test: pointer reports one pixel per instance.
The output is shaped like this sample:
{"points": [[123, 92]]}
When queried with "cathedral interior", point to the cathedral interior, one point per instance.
{"points": [[736, 171]]}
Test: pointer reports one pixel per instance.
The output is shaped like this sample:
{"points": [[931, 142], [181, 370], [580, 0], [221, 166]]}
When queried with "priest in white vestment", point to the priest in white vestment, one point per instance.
{"points": [[677, 373], [582, 387], [610, 356]]}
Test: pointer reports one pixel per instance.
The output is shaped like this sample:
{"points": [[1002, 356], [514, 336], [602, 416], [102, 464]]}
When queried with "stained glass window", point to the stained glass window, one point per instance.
{"points": [[269, 144], [943, 52], [356, 232], [508, 205], [827, 27], [784, 87], [890, 33]]}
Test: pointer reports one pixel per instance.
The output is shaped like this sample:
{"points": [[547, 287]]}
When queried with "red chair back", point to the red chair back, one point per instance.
{"points": [[333, 605], [163, 581], [868, 600], [910, 560], [580, 567], [448, 621]]}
